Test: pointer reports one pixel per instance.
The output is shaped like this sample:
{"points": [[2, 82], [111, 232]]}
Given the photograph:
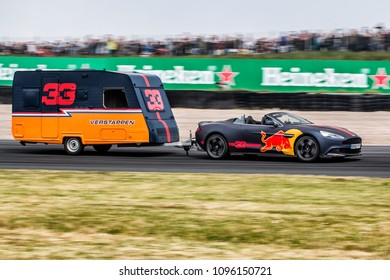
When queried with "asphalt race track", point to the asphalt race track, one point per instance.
{"points": [[375, 161]]}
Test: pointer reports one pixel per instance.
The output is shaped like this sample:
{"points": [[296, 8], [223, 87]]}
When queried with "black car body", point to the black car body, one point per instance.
{"points": [[279, 132]]}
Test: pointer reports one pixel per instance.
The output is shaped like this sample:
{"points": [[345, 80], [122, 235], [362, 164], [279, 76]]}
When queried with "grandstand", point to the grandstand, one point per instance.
{"points": [[365, 39]]}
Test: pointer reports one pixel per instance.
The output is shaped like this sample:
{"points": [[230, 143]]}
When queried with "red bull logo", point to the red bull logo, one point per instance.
{"points": [[278, 140], [281, 141]]}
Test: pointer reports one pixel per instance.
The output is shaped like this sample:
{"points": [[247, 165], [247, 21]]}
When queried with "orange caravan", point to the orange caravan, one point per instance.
{"points": [[91, 107]]}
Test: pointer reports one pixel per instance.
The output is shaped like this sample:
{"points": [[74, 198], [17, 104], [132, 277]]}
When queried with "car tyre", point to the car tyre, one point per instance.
{"points": [[217, 147], [101, 149], [307, 149], [73, 146]]}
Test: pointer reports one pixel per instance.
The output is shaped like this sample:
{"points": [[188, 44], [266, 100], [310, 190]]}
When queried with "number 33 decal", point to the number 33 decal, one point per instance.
{"points": [[59, 94], [154, 100]]}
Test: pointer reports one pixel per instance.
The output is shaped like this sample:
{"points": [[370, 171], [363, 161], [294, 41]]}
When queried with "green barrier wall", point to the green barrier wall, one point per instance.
{"points": [[335, 76]]}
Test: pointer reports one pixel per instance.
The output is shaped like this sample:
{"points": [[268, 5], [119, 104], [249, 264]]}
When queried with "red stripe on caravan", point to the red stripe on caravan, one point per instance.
{"points": [[146, 80], [165, 126], [158, 113]]}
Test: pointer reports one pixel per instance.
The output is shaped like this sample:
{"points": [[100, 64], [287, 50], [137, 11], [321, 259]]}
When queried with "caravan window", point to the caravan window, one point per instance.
{"points": [[115, 98], [31, 97]]}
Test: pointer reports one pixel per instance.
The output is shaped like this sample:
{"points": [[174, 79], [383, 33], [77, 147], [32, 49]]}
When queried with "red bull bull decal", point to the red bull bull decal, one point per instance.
{"points": [[281, 141]]}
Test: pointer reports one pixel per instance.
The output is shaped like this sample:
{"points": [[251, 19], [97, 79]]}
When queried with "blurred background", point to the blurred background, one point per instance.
{"points": [[175, 28], [357, 40]]}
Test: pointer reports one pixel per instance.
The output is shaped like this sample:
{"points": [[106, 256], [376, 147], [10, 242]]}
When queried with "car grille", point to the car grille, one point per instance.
{"points": [[346, 151], [353, 141]]}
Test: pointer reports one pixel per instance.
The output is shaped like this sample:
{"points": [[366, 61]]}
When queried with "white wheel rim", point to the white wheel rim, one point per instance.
{"points": [[73, 145]]}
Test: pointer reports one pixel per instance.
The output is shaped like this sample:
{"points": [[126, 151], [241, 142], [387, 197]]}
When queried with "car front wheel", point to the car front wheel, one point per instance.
{"points": [[216, 146], [307, 149]]}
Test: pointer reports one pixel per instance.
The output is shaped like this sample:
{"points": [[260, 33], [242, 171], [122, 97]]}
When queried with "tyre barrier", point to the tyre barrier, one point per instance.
{"points": [[300, 101], [5, 95]]}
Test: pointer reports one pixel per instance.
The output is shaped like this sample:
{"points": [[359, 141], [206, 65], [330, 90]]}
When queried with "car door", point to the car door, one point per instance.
{"points": [[254, 136]]}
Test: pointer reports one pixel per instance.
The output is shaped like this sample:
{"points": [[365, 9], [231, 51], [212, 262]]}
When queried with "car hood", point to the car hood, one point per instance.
{"points": [[333, 129]]}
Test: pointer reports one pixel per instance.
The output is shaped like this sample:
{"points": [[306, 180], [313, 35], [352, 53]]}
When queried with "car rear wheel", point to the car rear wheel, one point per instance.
{"points": [[102, 148], [307, 149], [216, 146], [73, 146]]}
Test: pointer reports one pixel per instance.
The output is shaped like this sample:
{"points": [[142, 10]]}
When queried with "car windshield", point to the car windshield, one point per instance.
{"points": [[240, 120], [288, 118]]}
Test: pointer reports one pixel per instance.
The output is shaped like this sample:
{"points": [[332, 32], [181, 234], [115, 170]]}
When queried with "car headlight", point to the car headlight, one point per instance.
{"points": [[331, 135]]}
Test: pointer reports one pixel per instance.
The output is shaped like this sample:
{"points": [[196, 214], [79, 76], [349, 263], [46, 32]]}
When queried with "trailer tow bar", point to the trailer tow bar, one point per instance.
{"points": [[185, 144]]}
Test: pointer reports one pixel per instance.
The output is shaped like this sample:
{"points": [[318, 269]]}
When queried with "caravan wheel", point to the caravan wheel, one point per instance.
{"points": [[73, 146]]}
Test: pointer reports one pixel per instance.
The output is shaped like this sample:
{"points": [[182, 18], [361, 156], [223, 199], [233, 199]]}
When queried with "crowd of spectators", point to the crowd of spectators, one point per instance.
{"points": [[375, 39]]}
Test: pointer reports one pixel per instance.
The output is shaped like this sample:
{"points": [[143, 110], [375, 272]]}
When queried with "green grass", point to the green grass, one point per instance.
{"points": [[103, 215]]}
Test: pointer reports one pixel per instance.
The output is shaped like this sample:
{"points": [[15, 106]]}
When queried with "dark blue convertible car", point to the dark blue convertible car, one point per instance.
{"points": [[279, 132]]}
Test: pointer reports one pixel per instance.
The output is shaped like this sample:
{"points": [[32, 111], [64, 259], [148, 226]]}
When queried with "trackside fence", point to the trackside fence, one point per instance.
{"points": [[253, 100], [288, 101]]}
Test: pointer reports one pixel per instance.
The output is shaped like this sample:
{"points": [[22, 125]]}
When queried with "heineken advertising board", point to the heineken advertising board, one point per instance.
{"points": [[213, 74]]}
